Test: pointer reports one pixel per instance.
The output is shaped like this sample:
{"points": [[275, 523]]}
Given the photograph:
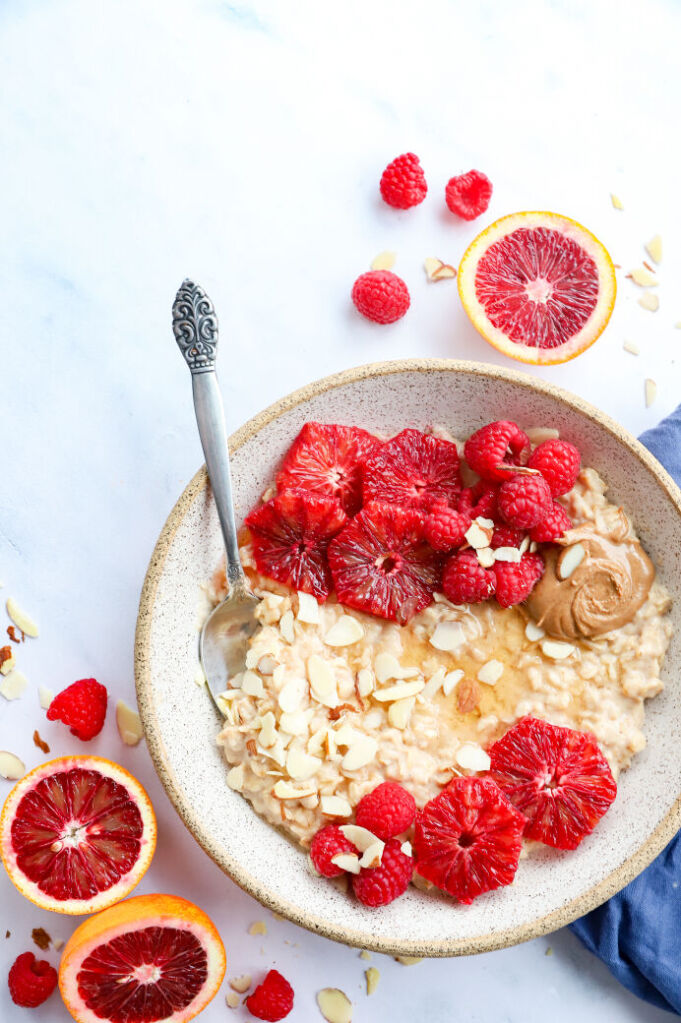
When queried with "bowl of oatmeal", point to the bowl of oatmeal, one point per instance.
{"points": [[336, 698]]}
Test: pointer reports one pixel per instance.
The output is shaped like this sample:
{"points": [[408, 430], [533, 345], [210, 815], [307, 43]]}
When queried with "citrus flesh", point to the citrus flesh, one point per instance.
{"points": [[77, 834], [538, 286], [149, 958]]}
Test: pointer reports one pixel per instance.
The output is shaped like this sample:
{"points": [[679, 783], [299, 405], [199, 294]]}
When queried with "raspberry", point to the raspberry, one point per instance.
{"points": [[381, 296], [291, 535], [468, 195], [382, 564], [524, 501], [553, 526], [327, 843], [272, 1000], [557, 777], [516, 580], [327, 460], [413, 470], [480, 500], [445, 528], [468, 839], [505, 536], [81, 706], [500, 443], [387, 810], [465, 581], [558, 461], [403, 183], [31, 981], [377, 886]]}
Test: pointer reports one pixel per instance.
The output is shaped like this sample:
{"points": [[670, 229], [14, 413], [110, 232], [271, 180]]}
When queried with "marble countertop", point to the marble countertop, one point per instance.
{"points": [[241, 143]]}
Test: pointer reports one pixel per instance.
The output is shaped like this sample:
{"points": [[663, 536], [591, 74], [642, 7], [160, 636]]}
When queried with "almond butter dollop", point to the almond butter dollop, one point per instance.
{"points": [[603, 592]]}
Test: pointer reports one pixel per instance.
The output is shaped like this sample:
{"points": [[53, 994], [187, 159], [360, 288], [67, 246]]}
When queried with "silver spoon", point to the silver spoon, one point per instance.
{"points": [[225, 633]]}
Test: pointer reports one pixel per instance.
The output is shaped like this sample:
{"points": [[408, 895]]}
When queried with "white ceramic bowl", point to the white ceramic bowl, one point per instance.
{"points": [[551, 888]]}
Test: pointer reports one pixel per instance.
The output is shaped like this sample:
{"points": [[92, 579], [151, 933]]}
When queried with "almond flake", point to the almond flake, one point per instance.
{"points": [[292, 695], [13, 686], [491, 672], [360, 753], [486, 556], [654, 249], [437, 270], [384, 261], [360, 837], [650, 392], [399, 692], [235, 777], [632, 348], [533, 546], [259, 927], [347, 861], [346, 631], [300, 765], [334, 1005], [315, 743], [433, 685], [322, 681], [11, 767], [451, 681], [371, 858], [336, 806], [408, 960], [644, 278], [284, 790], [477, 536], [649, 301], [286, 626], [616, 202], [45, 697], [308, 609], [399, 712], [511, 554], [7, 665], [365, 681], [570, 559], [538, 434], [534, 632], [241, 984], [129, 724], [21, 619], [524, 544], [556, 649], [472, 757], [406, 848], [447, 636], [295, 722], [252, 684], [268, 734], [386, 667]]}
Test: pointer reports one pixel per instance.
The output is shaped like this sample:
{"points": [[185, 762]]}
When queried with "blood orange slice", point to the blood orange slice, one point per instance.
{"points": [[152, 957], [77, 834], [538, 286]]}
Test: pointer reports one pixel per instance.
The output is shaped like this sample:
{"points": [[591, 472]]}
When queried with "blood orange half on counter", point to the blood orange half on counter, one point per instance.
{"points": [[77, 834], [538, 286], [150, 958]]}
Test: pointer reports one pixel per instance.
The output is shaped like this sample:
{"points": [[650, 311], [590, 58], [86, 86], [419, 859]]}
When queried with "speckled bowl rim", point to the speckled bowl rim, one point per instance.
{"points": [[577, 907]]}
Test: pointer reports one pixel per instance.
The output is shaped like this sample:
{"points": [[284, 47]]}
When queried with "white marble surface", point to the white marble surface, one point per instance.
{"points": [[241, 143]]}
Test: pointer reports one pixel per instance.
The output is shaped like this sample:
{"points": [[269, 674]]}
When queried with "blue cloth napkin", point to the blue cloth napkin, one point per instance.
{"points": [[637, 933]]}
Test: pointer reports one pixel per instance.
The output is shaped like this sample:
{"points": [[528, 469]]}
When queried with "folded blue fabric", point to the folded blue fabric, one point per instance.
{"points": [[637, 933]]}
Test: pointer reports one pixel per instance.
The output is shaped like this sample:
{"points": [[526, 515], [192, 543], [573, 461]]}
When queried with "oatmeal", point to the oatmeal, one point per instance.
{"points": [[334, 701]]}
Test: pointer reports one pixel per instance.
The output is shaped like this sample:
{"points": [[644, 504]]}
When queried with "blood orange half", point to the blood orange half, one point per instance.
{"points": [[538, 286], [77, 834], [152, 957]]}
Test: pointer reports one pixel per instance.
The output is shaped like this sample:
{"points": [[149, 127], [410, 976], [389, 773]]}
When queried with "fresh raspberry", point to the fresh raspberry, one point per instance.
{"points": [[506, 536], [558, 461], [465, 581], [81, 706], [31, 981], [327, 843], [387, 811], [524, 501], [381, 296], [403, 183], [377, 886], [327, 460], [468, 195], [557, 777], [516, 580], [272, 1000], [501, 443], [413, 470], [382, 564], [445, 528], [553, 526], [291, 534], [468, 839], [479, 501]]}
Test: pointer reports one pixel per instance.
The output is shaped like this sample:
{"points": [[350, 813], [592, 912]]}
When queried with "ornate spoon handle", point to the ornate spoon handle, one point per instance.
{"points": [[195, 327]]}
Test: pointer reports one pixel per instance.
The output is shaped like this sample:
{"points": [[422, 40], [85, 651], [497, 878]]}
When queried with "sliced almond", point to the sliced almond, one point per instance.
{"points": [[491, 672], [346, 631], [21, 619], [10, 766], [360, 837], [451, 681], [252, 684], [538, 434], [365, 681], [372, 856], [408, 960], [285, 790], [437, 270], [632, 348], [654, 249], [8, 664], [384, 261], [556, 649], [511, 554], [315, 743], [433, 685], [335, 806], [570, 559], [300, 765], [268, 733], [295, 723], [308, 609], [292, 695], [524, 544], [406, 848], [360, 753], [286, 626], [129, 724], [322, 680], [650, 393], [235, 777], [45, 697], [347, 861], [14, 685], [399, 692], [534, 632], [616, 202], [486, 556], [387, 666], [477, 536], [334, 1005], [649, 301], [448, 636], [372, 977], [644, 278], [400, 712], [472, 757]]}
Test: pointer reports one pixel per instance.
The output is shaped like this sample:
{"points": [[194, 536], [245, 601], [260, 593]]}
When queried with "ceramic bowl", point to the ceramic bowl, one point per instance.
{"points": [[551, 888]]}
